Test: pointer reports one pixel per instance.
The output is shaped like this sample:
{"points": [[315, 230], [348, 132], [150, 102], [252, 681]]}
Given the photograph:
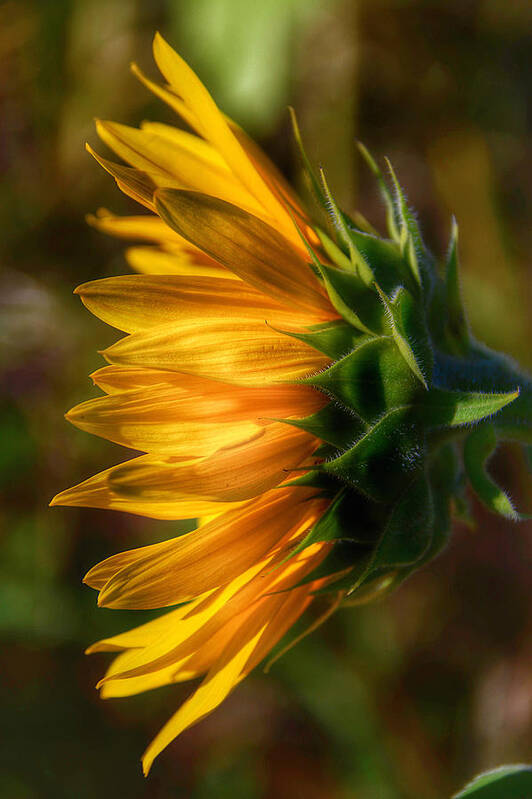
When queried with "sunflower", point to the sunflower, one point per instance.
{"points": [[198, 385], [288, 387]]}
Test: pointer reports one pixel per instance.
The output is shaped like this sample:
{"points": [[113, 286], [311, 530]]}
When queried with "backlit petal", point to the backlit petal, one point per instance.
{"points": [[245, 244], [253, 354], [134, 303]]}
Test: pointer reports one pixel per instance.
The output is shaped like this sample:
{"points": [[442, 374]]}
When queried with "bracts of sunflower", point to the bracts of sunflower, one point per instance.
{"points": [[308, 389]]}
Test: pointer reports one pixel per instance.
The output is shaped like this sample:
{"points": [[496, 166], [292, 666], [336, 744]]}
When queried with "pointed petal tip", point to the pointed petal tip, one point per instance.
{"points": [[59, 499], [147, 762]]}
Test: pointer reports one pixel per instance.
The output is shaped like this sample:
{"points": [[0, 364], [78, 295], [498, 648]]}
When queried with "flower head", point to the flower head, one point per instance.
{"points": [[303, 393]]}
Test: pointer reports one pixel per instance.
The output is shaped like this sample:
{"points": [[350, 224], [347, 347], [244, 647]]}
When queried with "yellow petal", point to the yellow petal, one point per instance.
{"points": [[246, 160], [187, 489], [245, 244], [96, 492], [137, 685], [156, 261], [190, 143], [140, 186], [235, 350], [194, 629], [115, 379], [222, 678], [167, 95], [134, 303], [145, 634], [213, 124], [147, 227], [293, 606], [170, 163], [139, 423], [192, 398]]}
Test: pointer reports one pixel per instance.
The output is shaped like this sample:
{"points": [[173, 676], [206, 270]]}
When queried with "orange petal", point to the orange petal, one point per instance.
{"points": [[213, 555], [193, 417]]}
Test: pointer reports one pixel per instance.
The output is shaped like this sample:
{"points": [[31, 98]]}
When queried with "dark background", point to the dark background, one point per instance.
{"points": [[405, 699]]}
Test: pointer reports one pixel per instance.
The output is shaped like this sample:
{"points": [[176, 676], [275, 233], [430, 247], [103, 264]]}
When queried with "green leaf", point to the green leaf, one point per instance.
{"points": [[410, 333], [383, 460], [452, 408], [479, 446], [372, 379], [506, 782]]}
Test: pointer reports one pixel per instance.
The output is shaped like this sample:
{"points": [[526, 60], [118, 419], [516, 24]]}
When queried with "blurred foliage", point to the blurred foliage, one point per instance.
{"points": [[401, 700]]}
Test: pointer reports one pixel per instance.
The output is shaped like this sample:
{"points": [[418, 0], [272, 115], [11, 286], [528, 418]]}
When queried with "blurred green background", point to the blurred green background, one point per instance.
{"points": [[402, 700]]}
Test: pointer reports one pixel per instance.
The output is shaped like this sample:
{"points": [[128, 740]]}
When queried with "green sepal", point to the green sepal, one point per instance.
{"points": [[345, 555], [333, 424], [307, 166], [353, 300], [334, 252], [478, 449], [457, 329], [410, 238], [408, 531], [384, 258], [386, 195], [452, 408], [334, 339], [404, 539], [326, 451], [325, 483], [341, 223], [515, 422], [384, 458], [350, 517], [371, 380], [410, 332], [328, 528]]}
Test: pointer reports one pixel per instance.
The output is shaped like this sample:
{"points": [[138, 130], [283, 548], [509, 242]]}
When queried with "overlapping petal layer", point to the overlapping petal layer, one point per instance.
{"points": [[199, 385]]}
